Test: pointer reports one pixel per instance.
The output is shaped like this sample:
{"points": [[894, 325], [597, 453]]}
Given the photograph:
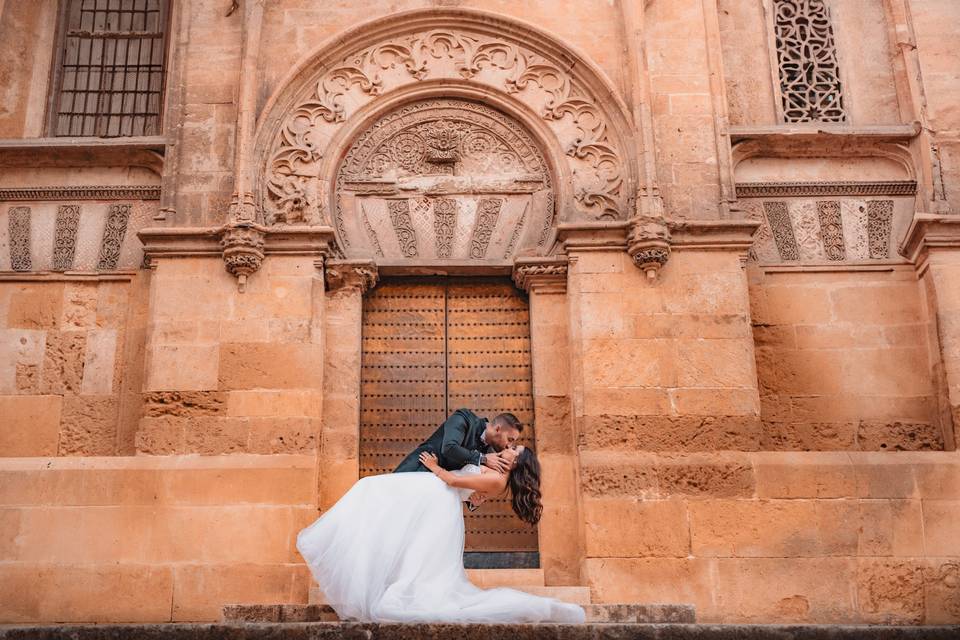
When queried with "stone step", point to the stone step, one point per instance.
{"points": [[521, 579], [489, 578], [596, 613], [339, 631]]}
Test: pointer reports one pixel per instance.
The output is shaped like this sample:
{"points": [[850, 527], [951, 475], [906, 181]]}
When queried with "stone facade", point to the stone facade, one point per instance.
{"points": [[737, 239]]}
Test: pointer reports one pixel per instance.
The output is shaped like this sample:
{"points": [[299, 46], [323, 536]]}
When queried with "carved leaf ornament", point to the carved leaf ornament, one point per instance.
{"points": [[292, 190]]}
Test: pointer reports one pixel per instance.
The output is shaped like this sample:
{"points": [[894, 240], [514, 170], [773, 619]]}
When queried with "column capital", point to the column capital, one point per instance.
{"points": [[930, 231], [345, 274]]}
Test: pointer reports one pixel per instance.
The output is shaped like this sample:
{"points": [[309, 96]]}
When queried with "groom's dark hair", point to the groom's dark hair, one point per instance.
{"points": [[508, 420]]}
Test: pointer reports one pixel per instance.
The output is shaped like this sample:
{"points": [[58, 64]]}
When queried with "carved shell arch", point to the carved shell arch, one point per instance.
{"points": [[503, 58]]}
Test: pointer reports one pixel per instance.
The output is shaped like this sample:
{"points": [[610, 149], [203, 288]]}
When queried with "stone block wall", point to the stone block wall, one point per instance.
{"points": [[231, 372], [844, 360], [812, 537], [66, 345], [666, 366], [151, 539]]}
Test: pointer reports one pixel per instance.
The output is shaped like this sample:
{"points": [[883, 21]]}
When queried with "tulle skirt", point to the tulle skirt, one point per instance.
{"points": [[391, 550]]}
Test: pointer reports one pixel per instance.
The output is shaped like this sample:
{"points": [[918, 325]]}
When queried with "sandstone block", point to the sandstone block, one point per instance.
{"points": [[209, 435], [941, 579], [773, 528], [36, 306], [786, 590], [79, 309], [160, 435], [201, 591], [808, 436], [670, 433], [617, 527], [894, 435], [891, 528], [88, 426], [682, 580], [100, 593], [31, 425], [702, 476], [184, 367], [275, 404], [100, 361], [890, 591], [797, 475], [63, 361], [941, 527], [184, 403], [270, 366]]}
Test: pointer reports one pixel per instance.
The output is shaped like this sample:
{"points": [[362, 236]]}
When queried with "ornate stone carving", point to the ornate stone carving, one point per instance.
{"points": [[546, 84], [342, 274], [779, 220], [65, 236], [487, 213], [807, 189], [831, 229], [242, 244], [113, 233], [806, 230], [548, 270], [18, 226], [473, 175], [879, 224], [243, 207], [648, 243], [810, 88], [444, 223], [106, 192], [400, 217]]}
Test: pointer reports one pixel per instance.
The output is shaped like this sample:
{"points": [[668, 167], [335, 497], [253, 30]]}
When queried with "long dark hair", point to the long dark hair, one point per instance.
{"points": [[524, 481]]}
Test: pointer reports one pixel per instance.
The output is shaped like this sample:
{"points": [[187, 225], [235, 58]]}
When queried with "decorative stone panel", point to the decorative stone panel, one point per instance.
{"points": [[65, 237], [19, 238], [499, 61], [817, 231]]}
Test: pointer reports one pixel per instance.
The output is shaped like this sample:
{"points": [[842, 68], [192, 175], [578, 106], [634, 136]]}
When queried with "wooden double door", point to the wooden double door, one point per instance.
{"points": [[431, 346]]}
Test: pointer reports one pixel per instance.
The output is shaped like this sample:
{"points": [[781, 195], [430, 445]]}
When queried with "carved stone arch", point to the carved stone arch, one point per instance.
{"points": [[510, 67]]}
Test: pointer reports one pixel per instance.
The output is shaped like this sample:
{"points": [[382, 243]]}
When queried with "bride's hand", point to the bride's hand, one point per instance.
{"points": [[429, 460]]}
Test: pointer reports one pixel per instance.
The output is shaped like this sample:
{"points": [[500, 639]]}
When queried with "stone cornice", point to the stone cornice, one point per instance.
{"points": [[345, 274], [200, 241], [712, 235], [593, 236], [807, 189], [72, 193], [541, 273], [930, 231]]}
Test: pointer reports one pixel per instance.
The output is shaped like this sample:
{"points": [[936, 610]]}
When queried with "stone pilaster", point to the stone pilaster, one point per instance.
{"points": [[933, 244], [347, 281], [561, 545]]}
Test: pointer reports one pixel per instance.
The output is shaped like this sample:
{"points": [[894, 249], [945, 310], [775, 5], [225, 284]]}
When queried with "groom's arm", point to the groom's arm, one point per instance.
{"points": [[453, 453]]}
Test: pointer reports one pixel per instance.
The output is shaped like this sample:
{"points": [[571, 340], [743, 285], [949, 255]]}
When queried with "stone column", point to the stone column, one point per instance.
{"points": [[347, 281], [561, 549], [933, 244]]}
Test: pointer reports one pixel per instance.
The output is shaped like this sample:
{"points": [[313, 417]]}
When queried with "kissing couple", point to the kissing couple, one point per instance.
{"points": [[391, 549]]}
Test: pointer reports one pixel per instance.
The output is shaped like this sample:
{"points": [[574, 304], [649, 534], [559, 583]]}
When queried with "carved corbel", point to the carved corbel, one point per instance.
{"points": [[540, 273], [343, 274], [648, 243], [242, 244]]}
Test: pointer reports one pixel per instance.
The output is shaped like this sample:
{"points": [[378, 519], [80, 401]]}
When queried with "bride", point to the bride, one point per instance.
{"points": [[391, 549]]}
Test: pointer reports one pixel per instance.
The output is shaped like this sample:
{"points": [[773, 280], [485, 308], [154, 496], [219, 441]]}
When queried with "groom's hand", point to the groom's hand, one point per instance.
{"points": [[495, 462]]}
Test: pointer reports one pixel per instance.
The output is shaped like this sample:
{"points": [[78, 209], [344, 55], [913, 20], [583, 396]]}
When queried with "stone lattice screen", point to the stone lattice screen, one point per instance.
{"points": [[810, 88]]}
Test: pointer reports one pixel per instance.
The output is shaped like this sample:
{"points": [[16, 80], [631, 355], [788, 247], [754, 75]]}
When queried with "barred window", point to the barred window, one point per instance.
{"points": [[110, 68], [810, 89]]}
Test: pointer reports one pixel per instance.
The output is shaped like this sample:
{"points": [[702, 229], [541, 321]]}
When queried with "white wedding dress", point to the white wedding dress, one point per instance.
{"points": [[391, 550]]}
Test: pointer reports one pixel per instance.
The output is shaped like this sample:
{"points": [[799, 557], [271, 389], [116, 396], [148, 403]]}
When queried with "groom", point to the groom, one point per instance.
{"points": [[464, 438]]}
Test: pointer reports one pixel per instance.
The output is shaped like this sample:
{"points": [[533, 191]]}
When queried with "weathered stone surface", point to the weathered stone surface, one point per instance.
{"points": [[899, 436], [88, 426], [36, 306], [890, 592], [184, 403], [63, 362], [670, 433]]}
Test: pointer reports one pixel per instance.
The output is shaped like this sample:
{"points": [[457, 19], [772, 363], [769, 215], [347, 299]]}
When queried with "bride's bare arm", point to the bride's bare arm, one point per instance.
{"points": [[491, 483]]}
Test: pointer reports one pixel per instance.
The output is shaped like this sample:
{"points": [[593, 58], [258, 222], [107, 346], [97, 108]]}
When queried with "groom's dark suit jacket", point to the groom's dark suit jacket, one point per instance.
{"points": [[456, 443]]}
